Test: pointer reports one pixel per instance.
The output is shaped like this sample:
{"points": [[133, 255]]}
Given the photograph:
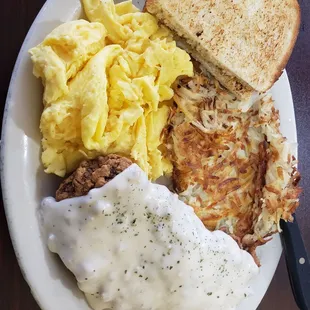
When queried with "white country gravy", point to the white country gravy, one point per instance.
{"points": [[134, 245]]}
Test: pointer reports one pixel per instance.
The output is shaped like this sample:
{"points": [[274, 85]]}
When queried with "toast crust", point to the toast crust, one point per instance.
{"points": [[288, 54], [264, 53], [229, 81]]}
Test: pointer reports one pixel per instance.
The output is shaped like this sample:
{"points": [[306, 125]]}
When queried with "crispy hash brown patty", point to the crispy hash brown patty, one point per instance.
{"points": [[91, 174], [231, 163]]}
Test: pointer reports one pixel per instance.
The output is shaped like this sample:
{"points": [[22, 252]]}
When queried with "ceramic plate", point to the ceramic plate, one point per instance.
{"points": [[24, 183]]}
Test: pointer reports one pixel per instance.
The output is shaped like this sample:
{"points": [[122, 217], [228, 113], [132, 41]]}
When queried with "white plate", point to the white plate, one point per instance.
{"points": [[24, 182]]}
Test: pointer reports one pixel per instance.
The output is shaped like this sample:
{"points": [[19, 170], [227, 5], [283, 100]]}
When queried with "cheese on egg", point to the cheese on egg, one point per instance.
{"points": [[117, 101]]}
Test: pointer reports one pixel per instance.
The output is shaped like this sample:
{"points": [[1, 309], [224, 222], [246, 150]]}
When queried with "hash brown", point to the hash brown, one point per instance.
{"points": [[231, 163]]}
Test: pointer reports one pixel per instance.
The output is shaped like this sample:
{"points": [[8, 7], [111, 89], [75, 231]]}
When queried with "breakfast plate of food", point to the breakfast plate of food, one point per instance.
{"points": [[149, 152]]}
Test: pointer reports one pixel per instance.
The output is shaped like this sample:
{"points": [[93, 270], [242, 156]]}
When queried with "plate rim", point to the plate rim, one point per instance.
{"points": [[4, 189]]}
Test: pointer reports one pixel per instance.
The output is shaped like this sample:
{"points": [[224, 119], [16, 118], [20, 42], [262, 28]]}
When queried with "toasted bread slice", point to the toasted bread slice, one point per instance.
{"points": [[241, 42], [241, 91]]}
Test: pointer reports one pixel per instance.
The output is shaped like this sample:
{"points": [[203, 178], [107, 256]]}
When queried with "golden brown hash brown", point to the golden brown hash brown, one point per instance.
{"points": [[91, 174], [231, 163]]}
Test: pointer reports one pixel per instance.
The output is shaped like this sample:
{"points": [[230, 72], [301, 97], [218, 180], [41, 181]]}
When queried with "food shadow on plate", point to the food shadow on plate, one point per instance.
{"points": [[30, 124], [58, 271], [47, 185]]}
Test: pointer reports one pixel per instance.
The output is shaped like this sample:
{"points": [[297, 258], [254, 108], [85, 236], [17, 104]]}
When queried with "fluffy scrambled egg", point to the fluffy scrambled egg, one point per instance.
{"points": [[63, 53], [107, 87]]}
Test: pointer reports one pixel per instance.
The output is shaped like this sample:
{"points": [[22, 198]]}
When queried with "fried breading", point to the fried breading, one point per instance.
{"points": [[231, 163], [91, 174]]}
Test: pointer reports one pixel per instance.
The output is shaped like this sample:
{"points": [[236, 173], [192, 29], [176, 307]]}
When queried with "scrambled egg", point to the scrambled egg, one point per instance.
{"points": [[63, 53], [107, 87]]}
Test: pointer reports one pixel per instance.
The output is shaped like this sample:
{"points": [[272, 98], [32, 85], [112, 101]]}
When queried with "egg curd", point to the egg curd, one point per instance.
{"points": [[107, 87]]}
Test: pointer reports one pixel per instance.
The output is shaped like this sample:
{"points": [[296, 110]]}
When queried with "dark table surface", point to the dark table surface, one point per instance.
{"points": [[16, 17]]}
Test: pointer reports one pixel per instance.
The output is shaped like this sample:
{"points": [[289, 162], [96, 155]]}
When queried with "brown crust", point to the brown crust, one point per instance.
{"points": [[91, 174], [147, 3], [288, 54]]}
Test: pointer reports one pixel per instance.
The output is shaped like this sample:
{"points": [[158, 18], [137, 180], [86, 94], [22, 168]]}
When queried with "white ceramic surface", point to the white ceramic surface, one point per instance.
{"points": [[24, 183]]}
